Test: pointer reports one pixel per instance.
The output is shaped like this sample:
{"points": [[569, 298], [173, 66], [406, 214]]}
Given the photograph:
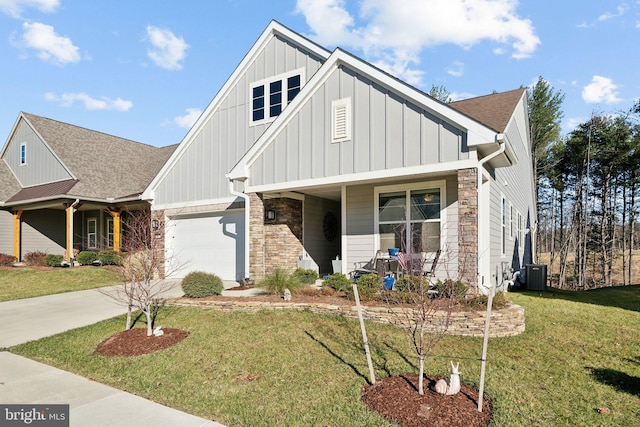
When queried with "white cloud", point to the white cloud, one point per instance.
{"points": [[188, 119], [458, 96], [620, 10], [14, 8], [601, 89], [395, 33], [456, 69], [104, 103], [572, 123], [167, 51], [50, 46]]}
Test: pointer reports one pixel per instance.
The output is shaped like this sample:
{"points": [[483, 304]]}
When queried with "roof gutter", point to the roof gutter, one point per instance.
{"points": [[484, 285], [247, 218]]}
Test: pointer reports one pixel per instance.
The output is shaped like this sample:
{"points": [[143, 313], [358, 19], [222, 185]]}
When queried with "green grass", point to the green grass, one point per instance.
{"points": [[580, 352], [24, 282]]}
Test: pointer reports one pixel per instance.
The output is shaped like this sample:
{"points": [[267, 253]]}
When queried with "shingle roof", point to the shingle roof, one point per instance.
{"points": [[493, 110], [9, 185], [106, 166], [43, 191]]}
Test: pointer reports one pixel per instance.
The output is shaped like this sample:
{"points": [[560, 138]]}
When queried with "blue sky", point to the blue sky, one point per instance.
{"points": [[145, 69]]}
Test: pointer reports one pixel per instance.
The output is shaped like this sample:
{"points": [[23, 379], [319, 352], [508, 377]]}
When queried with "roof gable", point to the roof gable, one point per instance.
{"points": [[273, 30], [477, 132], [102, 166]]}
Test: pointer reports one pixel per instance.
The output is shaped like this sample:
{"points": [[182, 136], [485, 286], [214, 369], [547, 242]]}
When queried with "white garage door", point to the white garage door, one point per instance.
{"points": [[212, 243]]}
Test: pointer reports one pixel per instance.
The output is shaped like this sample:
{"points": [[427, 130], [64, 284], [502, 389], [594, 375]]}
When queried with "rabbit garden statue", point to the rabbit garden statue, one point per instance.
{"points": [[452, 386]]}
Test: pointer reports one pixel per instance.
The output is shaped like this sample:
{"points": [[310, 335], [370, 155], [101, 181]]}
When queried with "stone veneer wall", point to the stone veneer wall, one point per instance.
{"points": [[257, 237], [282, 236], [468, 226], [158, 239], [506, 322]]}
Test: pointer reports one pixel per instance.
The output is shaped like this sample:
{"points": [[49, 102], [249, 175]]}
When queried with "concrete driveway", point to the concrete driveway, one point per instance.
{"points": [[24, 381]]}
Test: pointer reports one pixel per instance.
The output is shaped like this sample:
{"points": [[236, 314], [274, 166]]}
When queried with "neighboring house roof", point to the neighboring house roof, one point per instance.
{"points": [[9, 185], [106, 167], [493, 110], [43, 191]]}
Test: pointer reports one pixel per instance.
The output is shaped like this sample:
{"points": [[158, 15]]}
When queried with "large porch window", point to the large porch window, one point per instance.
{"points": [[410, 219]]}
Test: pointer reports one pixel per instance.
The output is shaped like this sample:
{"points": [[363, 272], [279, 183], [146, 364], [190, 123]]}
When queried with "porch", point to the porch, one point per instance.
{"points": [[419, 215]]}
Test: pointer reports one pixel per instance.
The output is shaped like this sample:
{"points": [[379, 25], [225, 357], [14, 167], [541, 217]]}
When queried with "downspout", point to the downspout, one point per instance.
{"points": [[247, 219], [481, 278]]}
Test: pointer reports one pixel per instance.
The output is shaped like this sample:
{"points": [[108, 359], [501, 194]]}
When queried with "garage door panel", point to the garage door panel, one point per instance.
{"points": [[211, 243]]}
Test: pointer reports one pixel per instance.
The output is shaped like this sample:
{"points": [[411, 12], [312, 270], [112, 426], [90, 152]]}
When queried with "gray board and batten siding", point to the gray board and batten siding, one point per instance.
{"points": [[388, 133], [42, 166], [515, 183], [226, 135], [361, 227]]}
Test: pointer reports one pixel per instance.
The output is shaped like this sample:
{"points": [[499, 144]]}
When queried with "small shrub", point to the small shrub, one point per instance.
{"points": [[449, 288], [6, 259], [53, 260], [279, 280], [369, 287], [479, 302], [338, 282], [110, 257], [86, 257], [35, 258], [305, 276], [198, 284]]}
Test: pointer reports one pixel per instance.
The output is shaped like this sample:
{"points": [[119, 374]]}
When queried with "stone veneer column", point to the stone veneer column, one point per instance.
{"points": [[159, 239], [468, 227], [283, 236], [257, 237]]}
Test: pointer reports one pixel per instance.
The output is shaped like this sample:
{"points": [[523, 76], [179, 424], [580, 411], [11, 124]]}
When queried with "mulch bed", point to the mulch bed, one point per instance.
{"points": [[396, 399], [135, 342]]}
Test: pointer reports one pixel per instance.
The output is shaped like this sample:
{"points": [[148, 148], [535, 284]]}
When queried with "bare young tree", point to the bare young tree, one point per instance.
{"points": [[143, 287], [422, 304]]}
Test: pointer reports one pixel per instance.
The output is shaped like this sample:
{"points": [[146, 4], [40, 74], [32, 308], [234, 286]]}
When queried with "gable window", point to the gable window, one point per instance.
{"points": [[411, 219], [341, 120], [270, 96], [23, 153], [92, 233]]}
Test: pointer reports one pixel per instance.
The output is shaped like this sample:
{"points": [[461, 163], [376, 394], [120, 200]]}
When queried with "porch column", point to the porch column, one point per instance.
{"points": [[256, 231], [468, 227], [70, 210], [17, 238], [116, 213]]}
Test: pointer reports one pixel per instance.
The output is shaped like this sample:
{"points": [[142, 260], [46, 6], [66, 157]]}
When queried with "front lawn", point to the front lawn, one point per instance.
{"points": [[578, 363], [25, 282]]}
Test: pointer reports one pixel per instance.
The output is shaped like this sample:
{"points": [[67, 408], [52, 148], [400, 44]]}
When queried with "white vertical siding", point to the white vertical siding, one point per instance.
{"points": [[360, 225]]}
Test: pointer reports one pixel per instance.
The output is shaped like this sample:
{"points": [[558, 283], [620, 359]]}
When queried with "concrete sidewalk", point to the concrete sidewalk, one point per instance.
{"points": [[24, 381]]}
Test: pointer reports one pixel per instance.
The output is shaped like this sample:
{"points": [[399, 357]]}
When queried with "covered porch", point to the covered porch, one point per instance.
{"points": [[350, 222], [69, 226]]}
